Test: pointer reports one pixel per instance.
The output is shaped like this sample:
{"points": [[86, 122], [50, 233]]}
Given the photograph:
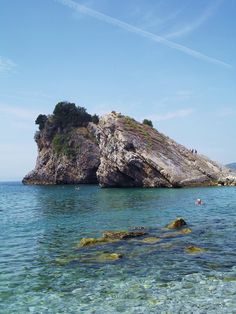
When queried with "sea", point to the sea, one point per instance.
{"points": [[44, 270]]}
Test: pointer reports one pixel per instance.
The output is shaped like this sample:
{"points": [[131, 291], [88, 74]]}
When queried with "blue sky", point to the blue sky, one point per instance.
{"points": [[172, 61]]}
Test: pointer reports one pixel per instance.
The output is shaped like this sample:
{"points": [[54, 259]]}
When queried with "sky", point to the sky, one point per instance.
{"points": [[171, 61]]}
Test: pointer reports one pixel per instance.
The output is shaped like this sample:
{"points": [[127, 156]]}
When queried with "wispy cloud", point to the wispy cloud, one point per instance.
{"points": [[226, 112], [175, 98], [6, 65], [149, 19], [32, 96], [132, 29], [18, 112], [172, 115], [190, 27]]}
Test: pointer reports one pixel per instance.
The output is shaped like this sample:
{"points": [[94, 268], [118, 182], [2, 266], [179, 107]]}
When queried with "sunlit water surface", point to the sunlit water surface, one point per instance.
{"points": [[42, 271]]}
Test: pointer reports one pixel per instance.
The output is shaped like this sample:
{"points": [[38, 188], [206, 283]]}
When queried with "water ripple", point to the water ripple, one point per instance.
{"points": [[41, 271]]}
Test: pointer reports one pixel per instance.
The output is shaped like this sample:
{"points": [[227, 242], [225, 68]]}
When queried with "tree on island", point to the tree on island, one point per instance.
{"points": [[95, 118], [66, 115], [41, 120], [148, 122]]}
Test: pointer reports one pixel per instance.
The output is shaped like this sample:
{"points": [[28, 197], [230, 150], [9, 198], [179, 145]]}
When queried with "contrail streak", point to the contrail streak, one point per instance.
{"points": [[132, 29]]}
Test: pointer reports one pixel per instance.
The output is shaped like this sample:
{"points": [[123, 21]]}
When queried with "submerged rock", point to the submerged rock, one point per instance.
{"points": [[106, 257], [150, 240], [92, 241], [186, 231], [194, 250], [176, 233], [176, 224], [169, 235], [63, 261], [122, 235], [98, 257], [179, 230], [167, 245], [109, 237]]}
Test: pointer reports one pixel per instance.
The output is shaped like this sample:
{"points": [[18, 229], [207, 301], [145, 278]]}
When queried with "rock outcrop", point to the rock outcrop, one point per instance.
{"points": [[123, 235], [120, 152], [176, 224], [195, 250], [68, 156], [136, 155], [110, 237]]}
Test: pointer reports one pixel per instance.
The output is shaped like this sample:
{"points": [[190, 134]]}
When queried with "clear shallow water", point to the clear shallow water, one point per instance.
{"points": [[41, 271]]}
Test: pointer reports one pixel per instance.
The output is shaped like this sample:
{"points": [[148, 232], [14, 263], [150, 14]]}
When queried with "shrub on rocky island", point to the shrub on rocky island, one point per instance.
{"points": [[148, 122], [41, 120], [67, 115]]}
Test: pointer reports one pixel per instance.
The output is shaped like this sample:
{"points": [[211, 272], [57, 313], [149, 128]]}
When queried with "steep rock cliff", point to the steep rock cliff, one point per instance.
{"points": [[119, 152], [67, 156], [133, 154]]}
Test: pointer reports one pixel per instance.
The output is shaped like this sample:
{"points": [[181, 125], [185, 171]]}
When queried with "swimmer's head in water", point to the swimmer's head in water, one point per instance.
{"points": [[198, 201]]}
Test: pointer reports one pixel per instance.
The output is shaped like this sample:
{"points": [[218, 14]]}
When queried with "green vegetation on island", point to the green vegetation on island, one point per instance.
{"points": [[61, 145], [41, 120], [67, 115], [148, 122], [61, 125]]}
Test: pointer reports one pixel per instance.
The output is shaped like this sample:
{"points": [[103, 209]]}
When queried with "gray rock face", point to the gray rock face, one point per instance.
{"points": [[136, 155], [68, 157], [120, 152]]}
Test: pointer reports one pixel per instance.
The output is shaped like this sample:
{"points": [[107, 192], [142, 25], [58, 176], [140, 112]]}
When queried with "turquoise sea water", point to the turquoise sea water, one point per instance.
{"points": [[42, 271]]}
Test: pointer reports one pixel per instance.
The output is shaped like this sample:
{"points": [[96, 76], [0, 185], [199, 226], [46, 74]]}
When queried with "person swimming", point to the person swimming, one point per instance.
{"points": [[199, 202]]}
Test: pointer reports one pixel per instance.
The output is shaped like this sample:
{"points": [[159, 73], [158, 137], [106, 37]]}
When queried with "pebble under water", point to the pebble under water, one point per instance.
{"points": [[42, 270]]}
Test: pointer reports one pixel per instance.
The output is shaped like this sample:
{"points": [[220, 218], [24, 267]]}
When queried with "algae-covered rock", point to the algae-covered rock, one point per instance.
{"points": [[150, 240], [194, 250], [185, 231], [170, 235], [176, 224], [63, 261], [167, 245], [123, 235], [176, 233], [106, 257], [98, 257], [110, 236], [92, 241]]}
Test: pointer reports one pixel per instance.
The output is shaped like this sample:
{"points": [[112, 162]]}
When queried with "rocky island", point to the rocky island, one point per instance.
{"points": [[115, 151]]}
